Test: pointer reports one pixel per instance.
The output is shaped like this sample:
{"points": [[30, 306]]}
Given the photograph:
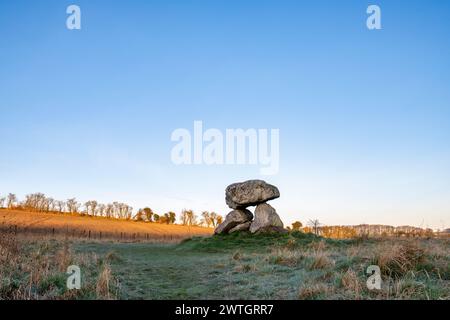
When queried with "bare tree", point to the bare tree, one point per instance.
{"points": [[101, 210], [109, 210], [184, 217], [315, 224], [49, 203], [116, 209], [214, 219], [91, 207], [60, 206], [207, 219], [190, 217], [2, 202], [128, 212], [38, 202], [72, 205], [11, 200]]}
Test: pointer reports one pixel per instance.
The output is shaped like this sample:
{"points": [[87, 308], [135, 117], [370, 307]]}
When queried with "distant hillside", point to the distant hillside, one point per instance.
{"points": [[93, 227]]}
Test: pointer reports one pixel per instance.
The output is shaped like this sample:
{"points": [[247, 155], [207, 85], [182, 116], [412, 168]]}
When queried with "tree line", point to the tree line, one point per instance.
{"points": [[39, 202], [362, 230]]}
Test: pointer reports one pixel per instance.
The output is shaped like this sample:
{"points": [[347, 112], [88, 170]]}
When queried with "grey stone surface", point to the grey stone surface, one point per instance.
{"points": [[241, 227], [233, 219], [266, 220], [250, 193]]}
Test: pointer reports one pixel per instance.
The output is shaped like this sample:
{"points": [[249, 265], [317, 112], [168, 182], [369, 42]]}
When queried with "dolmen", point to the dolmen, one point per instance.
{"points": [[240, 196]]}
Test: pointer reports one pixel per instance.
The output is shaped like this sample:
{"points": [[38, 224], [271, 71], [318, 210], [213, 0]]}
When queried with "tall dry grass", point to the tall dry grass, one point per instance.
{"points": [[410, 268], [397, 259], [37, 271]]}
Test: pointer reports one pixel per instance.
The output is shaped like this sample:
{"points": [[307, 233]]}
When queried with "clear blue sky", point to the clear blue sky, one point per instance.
{"points": [[364, 116]]}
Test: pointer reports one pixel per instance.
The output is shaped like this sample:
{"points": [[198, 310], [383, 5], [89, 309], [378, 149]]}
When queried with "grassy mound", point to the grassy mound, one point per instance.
{"points": [[247, 241]]}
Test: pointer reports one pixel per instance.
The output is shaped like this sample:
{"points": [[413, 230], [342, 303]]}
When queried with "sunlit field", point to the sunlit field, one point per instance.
{"points": [[76, 226]]}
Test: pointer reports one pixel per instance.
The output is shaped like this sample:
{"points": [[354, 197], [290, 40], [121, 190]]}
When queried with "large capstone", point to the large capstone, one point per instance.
{"points": [[233, 219], [250, 193], [266, 220]]}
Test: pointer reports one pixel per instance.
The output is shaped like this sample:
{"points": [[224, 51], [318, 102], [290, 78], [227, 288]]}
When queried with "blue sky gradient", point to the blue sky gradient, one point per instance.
{"points": [[364, 116]]}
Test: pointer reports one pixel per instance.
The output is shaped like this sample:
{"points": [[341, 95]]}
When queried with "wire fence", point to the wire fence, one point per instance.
{"points": [[87, 234]]}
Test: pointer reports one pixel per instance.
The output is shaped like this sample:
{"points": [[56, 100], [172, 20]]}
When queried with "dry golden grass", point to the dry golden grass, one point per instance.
{"points": [[351, 282], [311, 291], [287, 257], [37, 270], [103, 283], [399, 258], [97, 227], [321, 260]]}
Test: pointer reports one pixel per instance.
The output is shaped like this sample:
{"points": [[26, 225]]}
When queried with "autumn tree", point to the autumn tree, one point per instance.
{"points": [[139, 215], [148, 213], [296, 226], [171, 216]]}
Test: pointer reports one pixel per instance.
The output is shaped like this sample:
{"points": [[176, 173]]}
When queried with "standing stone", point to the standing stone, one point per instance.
{"points": [[233, 219], [241, 227], [250, 193], [266, 220]]}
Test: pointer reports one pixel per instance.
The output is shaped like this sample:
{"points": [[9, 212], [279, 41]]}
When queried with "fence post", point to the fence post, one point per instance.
{"points": [[89, 236]]}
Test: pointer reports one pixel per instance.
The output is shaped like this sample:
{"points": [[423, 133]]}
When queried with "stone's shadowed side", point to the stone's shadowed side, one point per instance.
{"points": [[241, 227], [250, 193], [233, 219]]}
